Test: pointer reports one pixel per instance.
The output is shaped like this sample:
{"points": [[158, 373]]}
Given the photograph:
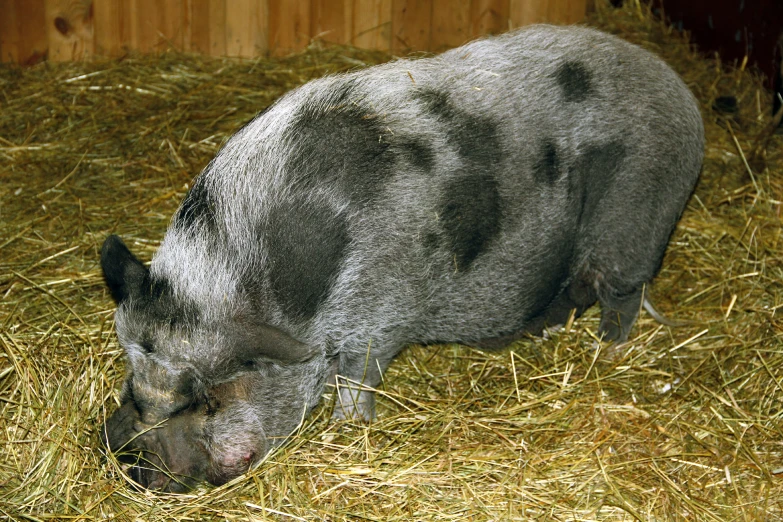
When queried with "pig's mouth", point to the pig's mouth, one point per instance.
{"points": [[148, 471], [166, 457]]}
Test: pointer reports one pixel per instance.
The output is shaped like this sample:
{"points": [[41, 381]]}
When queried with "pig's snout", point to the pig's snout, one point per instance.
{"points": [[165, 457]]}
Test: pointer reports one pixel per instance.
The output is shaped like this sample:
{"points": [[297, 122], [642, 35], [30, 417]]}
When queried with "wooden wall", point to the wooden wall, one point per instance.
{"points": [[32, 30]]}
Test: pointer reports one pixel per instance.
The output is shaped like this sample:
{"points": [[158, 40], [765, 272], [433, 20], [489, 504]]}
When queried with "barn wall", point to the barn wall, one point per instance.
{"points": [[62, 30]]}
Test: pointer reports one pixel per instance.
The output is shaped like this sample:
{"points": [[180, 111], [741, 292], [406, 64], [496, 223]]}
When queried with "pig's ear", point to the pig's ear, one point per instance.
{"points": [[124, 273], [282, 347], [262, 341]]}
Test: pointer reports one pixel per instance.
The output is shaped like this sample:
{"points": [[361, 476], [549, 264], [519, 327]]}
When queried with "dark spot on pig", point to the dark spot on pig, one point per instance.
{"points": [[340, 142], [417, 153], [547, 168], [575, 81], [152, 297], [197, 207], [470, 215], [475, 137], [431, 243], [159, 304], [306, 242], [436, 102], [596, 167]]}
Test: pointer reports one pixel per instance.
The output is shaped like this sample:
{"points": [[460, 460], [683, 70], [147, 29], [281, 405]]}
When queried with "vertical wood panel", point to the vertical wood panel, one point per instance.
{"points": [[289, 25], [158, 25], [146, 20], [411, 25], [111, 28], [330, 20], [207, 28], [526, 12], [23, 27], [557, 12], [577, 12], [488, 17], [69, 29], [9, 48], [172, 23], [246, 27], [372, 24], [217, 27], [31, 22], [451, 24], [197, 34]]}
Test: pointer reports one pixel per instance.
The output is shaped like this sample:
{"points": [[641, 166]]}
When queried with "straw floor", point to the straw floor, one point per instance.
{"points": [[684, 425]]}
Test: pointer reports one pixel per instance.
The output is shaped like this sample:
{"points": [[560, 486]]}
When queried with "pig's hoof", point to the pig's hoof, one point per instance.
{"points": [[612, 351], [354, 404], [549, 330]]}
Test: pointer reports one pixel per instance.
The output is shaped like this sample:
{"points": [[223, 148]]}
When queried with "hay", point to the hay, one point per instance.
{"points": [[686, 425]]}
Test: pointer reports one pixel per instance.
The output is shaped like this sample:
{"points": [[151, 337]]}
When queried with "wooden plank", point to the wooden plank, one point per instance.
{"points": [[197, 35], [488, 17], [9, 45], [112, 27], [557, 11], [451, 24], [565, 11], [171, 24], [217, 27], [372, 24], [330, 20], [75, 29], [145, 20], [526, 12], [411, 25], [69, 29], [23, 31], [246, 28], [158, 25], [577, 11], [289, 25]]}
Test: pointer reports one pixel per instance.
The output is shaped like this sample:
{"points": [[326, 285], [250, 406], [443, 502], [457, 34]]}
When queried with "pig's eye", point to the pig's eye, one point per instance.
{"points": [[147, 346], [249, 364], [212, 404]]}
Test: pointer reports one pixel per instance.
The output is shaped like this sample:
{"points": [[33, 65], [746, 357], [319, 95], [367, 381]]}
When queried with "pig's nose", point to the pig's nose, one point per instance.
{"points": [[136, 474], [147, 471], [158, 482]]}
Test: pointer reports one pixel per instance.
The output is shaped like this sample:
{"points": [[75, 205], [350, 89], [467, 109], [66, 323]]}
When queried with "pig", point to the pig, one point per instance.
{"points": [[473, 197]]}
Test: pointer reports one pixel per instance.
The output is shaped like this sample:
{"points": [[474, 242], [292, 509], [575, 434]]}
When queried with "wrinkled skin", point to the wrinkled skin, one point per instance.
{"points": [[173, 457], [188, 417], [466, 198], [201, 431]]}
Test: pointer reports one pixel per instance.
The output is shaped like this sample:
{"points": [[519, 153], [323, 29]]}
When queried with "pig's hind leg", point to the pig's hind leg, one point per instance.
{"points": [[623, 240], [618, 315], [577, 297], [619, 267]]}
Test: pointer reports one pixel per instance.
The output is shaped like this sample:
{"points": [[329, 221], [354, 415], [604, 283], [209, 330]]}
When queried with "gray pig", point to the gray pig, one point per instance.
{"points": [[467, 198]]}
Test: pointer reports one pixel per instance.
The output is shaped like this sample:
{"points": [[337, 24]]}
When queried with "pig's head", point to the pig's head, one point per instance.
{"points": [[205, 397]]}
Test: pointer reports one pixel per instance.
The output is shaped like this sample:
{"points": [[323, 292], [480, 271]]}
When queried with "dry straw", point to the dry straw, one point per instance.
{"points": [[686, 425]]}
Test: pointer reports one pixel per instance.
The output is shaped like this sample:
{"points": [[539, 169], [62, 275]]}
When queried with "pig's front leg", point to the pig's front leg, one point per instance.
{"points": [[358, 375]]}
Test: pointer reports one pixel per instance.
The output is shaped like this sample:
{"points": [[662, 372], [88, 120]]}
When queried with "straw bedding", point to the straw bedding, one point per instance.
{"points": [[684, 425]]}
